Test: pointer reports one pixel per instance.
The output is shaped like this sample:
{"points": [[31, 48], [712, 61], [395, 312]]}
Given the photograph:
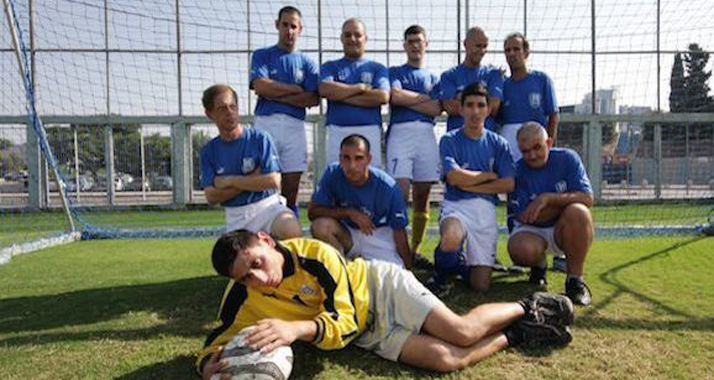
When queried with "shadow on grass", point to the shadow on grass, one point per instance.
{"points": [[182, 306], [180, 367], [611, 277]]}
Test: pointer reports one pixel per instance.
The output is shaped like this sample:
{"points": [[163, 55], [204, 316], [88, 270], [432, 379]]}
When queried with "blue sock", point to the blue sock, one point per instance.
{"points": [[445, 263], [296, 210]]}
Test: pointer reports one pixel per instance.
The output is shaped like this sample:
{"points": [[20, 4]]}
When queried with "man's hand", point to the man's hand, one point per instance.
{"points": [[222, 181], [362, 221], [364, 87], [269, 334], [214, 365], [532, 212]]}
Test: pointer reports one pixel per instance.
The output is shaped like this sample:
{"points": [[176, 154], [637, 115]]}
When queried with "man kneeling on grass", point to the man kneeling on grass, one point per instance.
{"points": [[303, 289]]}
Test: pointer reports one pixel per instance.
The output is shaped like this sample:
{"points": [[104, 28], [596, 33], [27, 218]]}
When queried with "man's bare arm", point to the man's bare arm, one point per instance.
{"points": [[340, 91], [497, 186], [463, 178], [271, 89], [418, 102], [370, 98]]}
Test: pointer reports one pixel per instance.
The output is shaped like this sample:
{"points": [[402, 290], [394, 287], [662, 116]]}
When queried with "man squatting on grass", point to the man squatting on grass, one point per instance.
{"points": [[240, 170], [303, 289], [550, 210]]}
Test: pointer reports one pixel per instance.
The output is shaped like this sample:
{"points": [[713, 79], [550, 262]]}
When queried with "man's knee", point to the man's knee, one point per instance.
{"points": [[576, 214], [444, 360], [322, 228], [451, 235], [286, 226], [525, 249]]}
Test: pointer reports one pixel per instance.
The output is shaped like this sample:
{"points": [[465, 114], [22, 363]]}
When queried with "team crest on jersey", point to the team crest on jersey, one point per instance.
{"points": [[306, 289], [534, 99], [561, 186], [299, 76], [366, 77], [248, 165]]}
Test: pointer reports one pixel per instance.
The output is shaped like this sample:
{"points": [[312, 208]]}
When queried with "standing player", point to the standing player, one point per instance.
{"points": [[528, 95], [550, 210], [301, 289], [355, 89], [412, 152], [454, 80], [240, 170], [477, 166], [285, 81], [359, 209]]}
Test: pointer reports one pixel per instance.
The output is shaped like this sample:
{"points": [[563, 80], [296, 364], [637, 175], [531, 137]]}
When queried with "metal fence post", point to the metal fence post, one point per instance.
{"points": [[593, 142], [658, 160], [180, 161], [109, 162]]}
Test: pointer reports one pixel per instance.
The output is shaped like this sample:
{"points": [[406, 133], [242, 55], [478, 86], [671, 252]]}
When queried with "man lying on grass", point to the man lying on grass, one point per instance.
{"points": [[303, 289]]}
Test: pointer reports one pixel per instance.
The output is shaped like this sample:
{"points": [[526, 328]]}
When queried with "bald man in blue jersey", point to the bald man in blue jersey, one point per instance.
{"points": [[550, 210], [355, 89], [454, 80], [240, 170], [477, 166], [285, 81], [359, 209]]}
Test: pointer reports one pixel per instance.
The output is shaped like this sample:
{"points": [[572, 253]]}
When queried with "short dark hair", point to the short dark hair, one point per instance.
{"points": [[414, 29], [526, 44], [288, 9], [354, 140], [209, 95], [474, 89], [228, 247]]}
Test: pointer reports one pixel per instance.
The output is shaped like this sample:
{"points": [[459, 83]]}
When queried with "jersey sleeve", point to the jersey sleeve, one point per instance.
{"points": [[551, 102], [495, 84], [207, 171], [504, 160], [447, 151], [259, 67], [398, 217], [577, 177], [381, 78], [337, 320], [323, 194], [447, 86], [327, 72], [311, 76], [269, 157], [394, 79], [234, 297]]}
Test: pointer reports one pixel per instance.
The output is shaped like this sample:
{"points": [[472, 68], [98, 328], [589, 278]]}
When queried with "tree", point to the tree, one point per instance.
{"points": [[676, 85], [689, 88]]}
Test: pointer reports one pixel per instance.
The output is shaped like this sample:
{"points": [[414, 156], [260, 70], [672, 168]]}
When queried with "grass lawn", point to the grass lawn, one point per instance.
{"points": [[26, 226], [140, 309]]}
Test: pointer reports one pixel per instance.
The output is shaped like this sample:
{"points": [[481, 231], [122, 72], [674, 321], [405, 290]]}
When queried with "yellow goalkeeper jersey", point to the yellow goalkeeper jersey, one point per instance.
{"points": [[318, 284]]}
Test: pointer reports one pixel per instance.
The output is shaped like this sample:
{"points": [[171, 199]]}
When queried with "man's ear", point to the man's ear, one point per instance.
{"points": [[549, 142], [265, 238]]}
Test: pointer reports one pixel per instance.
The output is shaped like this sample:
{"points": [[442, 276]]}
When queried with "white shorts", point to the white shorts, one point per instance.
{"points": [[412, 152], [398, 307], [256, 216], [510, 133], [478, 219], [378, 246], [373, 134], [288, 134], [546, 233]]}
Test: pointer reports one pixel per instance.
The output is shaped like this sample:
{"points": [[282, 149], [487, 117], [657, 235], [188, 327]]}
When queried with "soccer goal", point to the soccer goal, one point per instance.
{"points": [[101, 121]]}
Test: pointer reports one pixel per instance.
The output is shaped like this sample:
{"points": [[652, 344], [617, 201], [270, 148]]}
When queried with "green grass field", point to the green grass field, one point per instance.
{"points": [[140, 309], [22, 227]]}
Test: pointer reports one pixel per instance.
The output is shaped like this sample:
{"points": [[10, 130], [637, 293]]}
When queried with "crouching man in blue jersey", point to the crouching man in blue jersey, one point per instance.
{"points": [[550, 210], [477, 165], [359, 209], [240, 170]]}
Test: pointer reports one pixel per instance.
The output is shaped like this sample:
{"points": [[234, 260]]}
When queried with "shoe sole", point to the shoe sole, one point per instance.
{"points": [[566, 306]]}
